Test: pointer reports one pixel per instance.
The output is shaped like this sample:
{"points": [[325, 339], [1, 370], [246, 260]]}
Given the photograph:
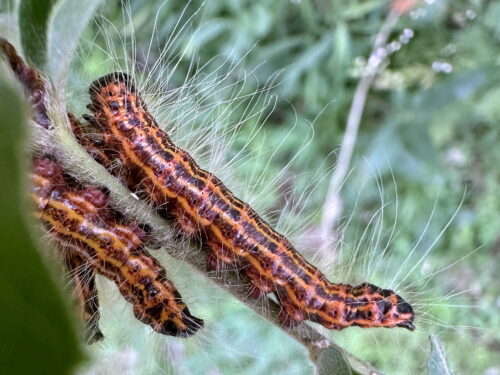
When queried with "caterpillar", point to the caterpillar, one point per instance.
{"points": [[33, 84], [81, 274], [200, 204], [95, 236]]}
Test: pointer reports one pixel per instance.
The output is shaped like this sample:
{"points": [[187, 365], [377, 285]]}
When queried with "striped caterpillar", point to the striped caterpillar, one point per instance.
{"points": [[95, 238], [200, 204]]}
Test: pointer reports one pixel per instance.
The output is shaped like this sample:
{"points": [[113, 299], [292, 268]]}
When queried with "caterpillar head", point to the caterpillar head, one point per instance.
{"points": [[376, 307], [114, 91], [116, 104]]}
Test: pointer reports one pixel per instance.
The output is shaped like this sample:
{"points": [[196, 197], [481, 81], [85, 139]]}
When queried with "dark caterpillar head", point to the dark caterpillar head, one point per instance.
{"points": [[376, 307], [118, 79], [116, 102]]}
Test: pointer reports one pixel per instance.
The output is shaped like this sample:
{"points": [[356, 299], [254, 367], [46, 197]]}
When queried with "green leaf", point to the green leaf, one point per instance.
{"points": [[437, 364], [37, 334], [33, 22], [362, 9], [331, 361], [69, 20]]}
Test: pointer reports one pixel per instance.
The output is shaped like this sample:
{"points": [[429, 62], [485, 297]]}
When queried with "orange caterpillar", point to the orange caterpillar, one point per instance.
{"points": [[95, 238], [157, 170]]}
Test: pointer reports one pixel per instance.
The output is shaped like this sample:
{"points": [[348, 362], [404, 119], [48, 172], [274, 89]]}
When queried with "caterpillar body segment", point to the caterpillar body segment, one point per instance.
{"points": [[96, 238], [201, 205]]}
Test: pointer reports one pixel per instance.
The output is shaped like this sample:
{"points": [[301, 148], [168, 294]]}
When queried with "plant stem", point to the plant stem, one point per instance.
{"points": [[332, 208]]}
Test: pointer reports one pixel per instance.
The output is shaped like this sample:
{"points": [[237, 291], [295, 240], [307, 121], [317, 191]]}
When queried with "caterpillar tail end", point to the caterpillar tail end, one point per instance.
{"points": [[114, 79]]}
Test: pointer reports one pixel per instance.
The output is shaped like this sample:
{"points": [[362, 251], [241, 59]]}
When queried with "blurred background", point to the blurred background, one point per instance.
{"points": [[424, 151]]}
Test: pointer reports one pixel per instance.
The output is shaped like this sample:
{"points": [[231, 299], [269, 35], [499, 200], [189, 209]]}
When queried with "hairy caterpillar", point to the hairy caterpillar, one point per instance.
{"points": [[160, 171], [31, 80], [80, 221], [80, 273]]}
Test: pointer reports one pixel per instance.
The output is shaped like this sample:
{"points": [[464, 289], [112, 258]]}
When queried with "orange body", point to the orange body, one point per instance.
{"points": [[200, 204], [97, 239]]}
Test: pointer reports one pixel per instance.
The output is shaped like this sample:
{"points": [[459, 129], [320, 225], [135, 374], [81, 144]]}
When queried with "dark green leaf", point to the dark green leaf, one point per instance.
{"points": [[37, 334], [33, 23]]}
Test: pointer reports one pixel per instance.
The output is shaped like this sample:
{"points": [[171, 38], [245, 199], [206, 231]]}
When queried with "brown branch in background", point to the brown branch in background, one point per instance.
{"points": [[332, 208]]}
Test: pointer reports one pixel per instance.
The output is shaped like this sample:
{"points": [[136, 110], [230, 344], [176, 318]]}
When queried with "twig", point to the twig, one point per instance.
{"points": [[332, 208]]}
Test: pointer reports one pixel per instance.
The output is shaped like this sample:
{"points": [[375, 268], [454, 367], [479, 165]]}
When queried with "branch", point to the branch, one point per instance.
{"points": [[332, 208]]}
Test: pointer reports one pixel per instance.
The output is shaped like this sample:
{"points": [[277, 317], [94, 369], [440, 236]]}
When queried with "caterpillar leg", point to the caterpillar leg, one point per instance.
{"points": [[92, 142], [290, 315], [259, 285], [83, 278], [186, 224], [219, 257]]}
